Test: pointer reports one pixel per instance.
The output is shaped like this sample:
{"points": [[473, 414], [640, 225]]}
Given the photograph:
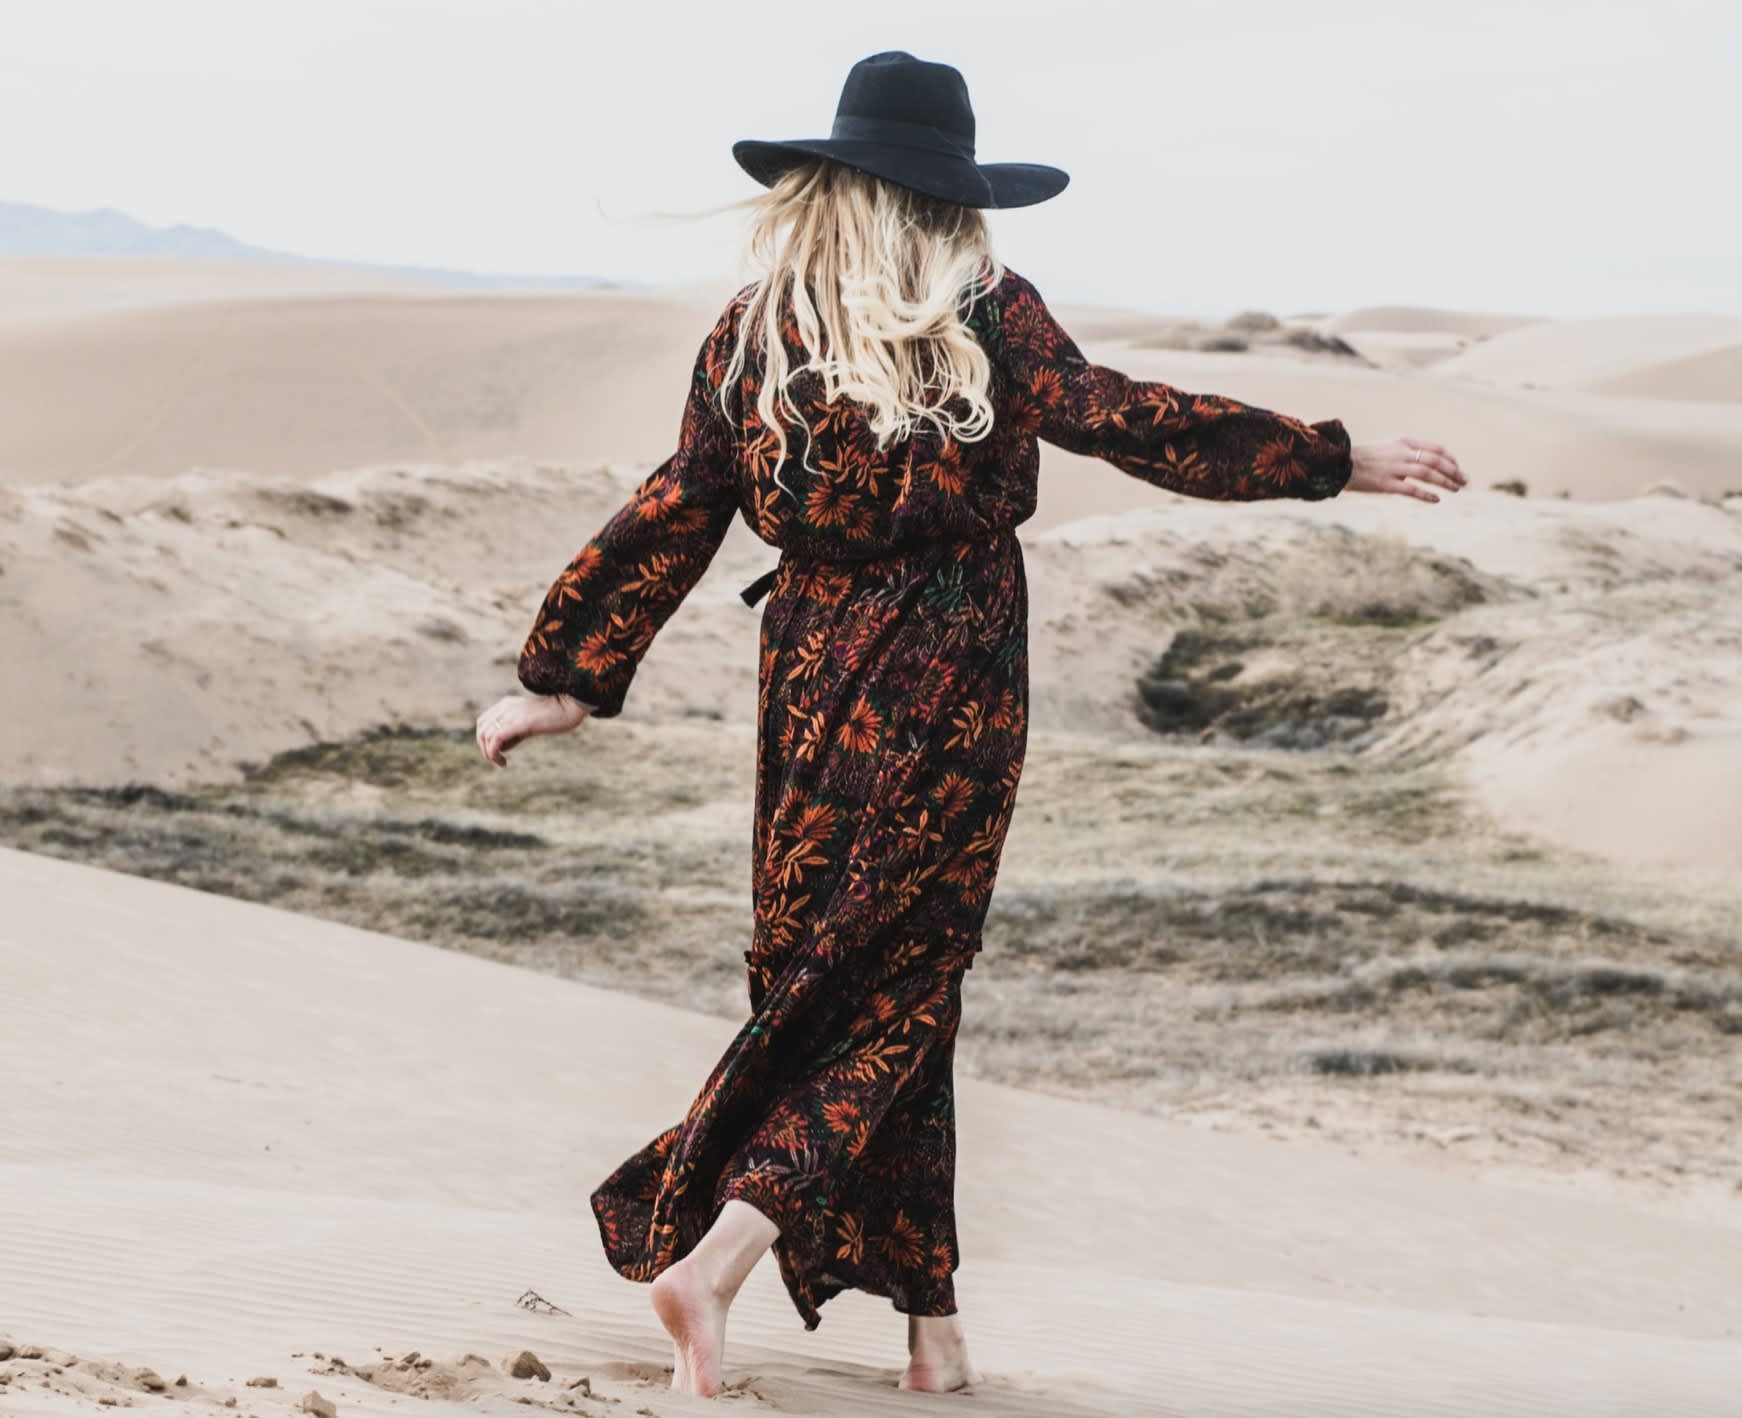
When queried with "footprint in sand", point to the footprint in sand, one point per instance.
{"points": [[470, 1377], [36, 1368]]}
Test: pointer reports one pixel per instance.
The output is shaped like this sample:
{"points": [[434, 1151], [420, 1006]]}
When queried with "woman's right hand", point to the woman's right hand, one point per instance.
{"points": [[520, 716], [1388, 467]]}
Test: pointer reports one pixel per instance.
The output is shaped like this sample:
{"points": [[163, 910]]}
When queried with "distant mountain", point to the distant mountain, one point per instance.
{"points": [[42, 231]]}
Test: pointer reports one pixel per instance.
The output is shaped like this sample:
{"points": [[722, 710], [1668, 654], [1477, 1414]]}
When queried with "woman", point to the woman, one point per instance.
{"points": [[871, 406]]}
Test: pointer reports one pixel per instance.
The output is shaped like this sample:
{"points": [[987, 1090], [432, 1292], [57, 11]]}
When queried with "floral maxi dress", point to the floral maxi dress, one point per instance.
{"points": [[893, 705]]}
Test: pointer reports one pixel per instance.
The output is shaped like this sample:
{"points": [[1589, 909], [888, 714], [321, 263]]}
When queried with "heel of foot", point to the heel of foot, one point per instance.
{"points": [[939, 1378]]}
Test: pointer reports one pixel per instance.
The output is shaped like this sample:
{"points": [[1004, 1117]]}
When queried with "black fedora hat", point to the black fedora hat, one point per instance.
{"points": [[909, 122]]}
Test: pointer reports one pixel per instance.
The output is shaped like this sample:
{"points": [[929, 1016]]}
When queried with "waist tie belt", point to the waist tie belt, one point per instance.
{"points": [[758, 588]]}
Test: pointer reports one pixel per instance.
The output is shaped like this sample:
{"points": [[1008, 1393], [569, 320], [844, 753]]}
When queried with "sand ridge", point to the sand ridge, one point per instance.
{"points": [[399, 594], [150, 369]]}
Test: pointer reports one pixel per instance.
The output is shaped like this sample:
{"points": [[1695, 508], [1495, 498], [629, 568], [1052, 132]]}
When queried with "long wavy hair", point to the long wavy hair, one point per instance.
{"points": [[879, 278]]}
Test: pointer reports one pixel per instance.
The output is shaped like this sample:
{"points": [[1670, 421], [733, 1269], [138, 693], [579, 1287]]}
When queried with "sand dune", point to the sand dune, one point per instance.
{"points": [[1424, 320], [1708, 375], [1681, 357], [1406, 337], [256, 373], [43, 290], [316, 382], [249, 614], [201, 622], [1590, 691], [244, 1137]]}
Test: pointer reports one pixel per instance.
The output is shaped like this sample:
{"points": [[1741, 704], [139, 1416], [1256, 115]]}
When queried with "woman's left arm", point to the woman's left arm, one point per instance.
{"points": [[1202, 445]]}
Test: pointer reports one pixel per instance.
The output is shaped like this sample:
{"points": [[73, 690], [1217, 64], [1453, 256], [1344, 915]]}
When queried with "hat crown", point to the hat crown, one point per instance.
{"points": [[907, 121], [898, 91]]}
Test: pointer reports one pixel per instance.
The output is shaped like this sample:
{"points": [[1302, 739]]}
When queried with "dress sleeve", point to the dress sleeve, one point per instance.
{"points": [[1202, 445], [601, 613]]}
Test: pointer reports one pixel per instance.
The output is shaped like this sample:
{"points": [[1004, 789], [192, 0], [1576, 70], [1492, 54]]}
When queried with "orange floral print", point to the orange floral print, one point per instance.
{"points": [[859, 731]]}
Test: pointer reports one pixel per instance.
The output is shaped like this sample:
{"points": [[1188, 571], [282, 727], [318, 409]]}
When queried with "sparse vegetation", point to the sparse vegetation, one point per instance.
{"points": [[1307, 940], [1249, 330], [305, 502], [1253, 321], [1199, 686]]}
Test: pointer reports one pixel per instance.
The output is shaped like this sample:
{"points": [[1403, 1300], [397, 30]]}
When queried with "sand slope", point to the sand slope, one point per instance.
{"points": [[155, 372], [234, 1136], [43, 290], [314, 382], [1681, 357], [1414, 336], [1594, 695], [198, 622]]}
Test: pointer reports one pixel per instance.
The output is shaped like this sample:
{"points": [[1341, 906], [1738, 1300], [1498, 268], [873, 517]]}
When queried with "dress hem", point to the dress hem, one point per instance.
{"points": [[936, 1301]]}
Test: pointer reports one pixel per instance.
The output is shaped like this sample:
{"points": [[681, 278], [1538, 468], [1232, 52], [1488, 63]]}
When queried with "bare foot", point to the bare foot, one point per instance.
{"points": [[691, 1297], [693, 1311], [938, 1355]]}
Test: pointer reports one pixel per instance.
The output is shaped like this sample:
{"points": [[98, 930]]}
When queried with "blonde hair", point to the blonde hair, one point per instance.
{"points": [[879, 277]]}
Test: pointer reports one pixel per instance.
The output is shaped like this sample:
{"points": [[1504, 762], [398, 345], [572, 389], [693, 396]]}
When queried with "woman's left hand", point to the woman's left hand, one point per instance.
{"points": [[1388, 467]]}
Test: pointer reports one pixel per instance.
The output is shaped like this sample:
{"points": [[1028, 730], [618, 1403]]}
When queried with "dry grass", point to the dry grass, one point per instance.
{"points": [[1281, 910], [1293, 940]]}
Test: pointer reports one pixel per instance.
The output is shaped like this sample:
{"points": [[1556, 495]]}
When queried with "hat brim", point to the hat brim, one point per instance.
{"points": [[952, 179]]}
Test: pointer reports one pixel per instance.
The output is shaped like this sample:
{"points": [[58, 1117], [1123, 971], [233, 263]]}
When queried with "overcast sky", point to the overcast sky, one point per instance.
{"points": [[1559, 157]]}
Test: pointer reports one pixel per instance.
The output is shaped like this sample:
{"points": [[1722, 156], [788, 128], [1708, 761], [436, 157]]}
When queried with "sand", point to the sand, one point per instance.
{"points": [[280, 371], [383, 519], [235, 1137], [203, 622], [1685, 358], [41, 291], [310, 382]]}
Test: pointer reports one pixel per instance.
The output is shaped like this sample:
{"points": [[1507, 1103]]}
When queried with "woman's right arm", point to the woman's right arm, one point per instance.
{"points": [[600, 615], [1202, 445]]}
